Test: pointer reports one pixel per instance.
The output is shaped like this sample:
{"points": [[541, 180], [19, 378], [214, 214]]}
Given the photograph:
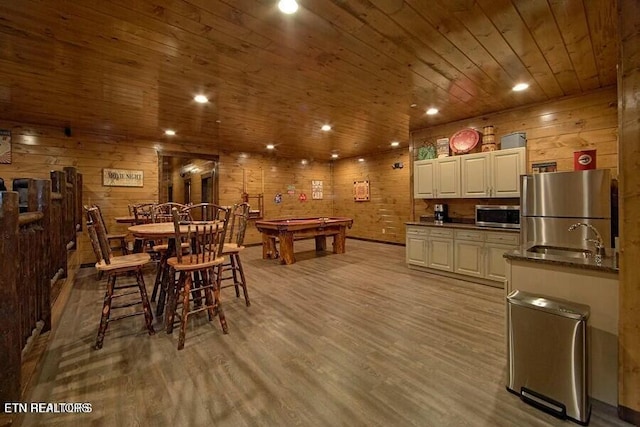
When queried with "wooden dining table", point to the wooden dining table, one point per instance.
{"points": [[165, 230]]}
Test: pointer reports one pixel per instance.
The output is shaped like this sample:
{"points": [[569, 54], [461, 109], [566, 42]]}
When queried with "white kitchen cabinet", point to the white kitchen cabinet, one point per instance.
{"points": [[496, 245], [430, 247], [507, 166], [416, 249], [437, 178], [424, 179], [440, 249], [469, 252], [493, 173]]}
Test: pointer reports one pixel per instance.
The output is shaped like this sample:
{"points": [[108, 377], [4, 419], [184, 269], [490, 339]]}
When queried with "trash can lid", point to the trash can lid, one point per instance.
{"points": [[557, 306]]}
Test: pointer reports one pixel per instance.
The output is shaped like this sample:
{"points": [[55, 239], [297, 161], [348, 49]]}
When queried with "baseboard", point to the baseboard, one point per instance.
{"points": [[629, 415], [364, 239]]}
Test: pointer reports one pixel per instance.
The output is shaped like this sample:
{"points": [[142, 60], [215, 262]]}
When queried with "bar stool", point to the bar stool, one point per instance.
{"points": [[162, 213], [232, 248], [142, 215], [115, 266], [118, 238], [201, 267]]}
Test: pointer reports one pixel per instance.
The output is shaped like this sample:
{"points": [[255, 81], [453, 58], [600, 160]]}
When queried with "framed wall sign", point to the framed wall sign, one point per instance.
{"points": [[122, 178], [316, 190], [361, 191], [5, 146]]}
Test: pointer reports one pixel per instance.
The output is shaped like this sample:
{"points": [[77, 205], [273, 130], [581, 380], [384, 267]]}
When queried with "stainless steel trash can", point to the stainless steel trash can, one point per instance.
{"points": [[547, 354]]}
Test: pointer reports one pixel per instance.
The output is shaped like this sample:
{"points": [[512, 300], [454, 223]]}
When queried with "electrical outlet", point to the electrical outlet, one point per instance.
{"points": [[384, 231]]}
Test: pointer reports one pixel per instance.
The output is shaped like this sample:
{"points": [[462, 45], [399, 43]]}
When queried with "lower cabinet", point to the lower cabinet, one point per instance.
{"points": [[416, 245], [430, 247], [472, 253], [440, 249]]}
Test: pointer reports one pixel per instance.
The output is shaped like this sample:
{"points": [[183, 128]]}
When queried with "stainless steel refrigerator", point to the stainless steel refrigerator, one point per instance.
{"points": [[551, 202]]}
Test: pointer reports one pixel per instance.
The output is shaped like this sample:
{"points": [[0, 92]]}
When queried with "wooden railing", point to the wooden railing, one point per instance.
{"points": [[33, 255]]}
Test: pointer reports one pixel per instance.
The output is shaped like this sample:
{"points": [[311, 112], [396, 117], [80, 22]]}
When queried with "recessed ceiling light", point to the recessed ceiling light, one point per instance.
{"points": [[201, 99], [288, 6], [432, 111], [413, 105], [395, 143], [270, 146], [361, 159], [334, 156], [326, 128], [304, 161], [520, 86], [170, 132]]}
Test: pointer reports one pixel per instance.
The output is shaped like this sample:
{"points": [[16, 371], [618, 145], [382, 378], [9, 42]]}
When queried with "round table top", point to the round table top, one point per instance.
{"points": [[164, 229]]}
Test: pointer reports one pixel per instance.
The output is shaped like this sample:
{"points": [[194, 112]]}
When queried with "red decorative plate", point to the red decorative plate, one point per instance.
{"points": [[464, 141]]}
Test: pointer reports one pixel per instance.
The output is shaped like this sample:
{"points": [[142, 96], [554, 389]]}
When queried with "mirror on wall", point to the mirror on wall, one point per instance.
{"points": [[187, 177]]}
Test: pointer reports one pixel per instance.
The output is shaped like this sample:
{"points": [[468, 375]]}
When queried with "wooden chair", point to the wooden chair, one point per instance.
{"points": [[142, 215], [202, 267], [118, 238], [205, 212], [232, 248], [162, 213], [114, 267]]}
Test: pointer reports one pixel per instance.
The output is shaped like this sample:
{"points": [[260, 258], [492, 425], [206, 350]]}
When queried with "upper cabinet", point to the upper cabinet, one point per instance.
{"points": [[490, 174], [437, 178], [493, 174]]}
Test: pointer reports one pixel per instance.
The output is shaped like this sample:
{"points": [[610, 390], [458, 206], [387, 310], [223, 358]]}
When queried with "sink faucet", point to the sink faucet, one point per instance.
{"points": [[597, 242]]}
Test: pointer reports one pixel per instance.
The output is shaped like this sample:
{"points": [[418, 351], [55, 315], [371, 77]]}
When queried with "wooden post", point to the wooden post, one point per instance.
{"points": [[72, 178], [59, 185], [43, 204], [79, 210], [10, 355]]}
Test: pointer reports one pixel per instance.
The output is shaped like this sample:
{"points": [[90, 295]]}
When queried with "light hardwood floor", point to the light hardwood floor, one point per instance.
{"points": [[355, 339]]}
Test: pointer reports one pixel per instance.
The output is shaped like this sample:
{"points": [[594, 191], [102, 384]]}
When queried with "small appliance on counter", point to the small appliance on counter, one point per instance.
{"points": [[441, 213], [498, 216]]}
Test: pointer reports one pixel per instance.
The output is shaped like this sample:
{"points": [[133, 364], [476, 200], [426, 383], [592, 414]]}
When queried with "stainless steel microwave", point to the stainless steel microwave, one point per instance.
{"points": [[498, 216]]}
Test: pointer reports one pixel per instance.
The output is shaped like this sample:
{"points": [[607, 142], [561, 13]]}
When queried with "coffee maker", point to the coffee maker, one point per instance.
{"points": [[441, 213]]}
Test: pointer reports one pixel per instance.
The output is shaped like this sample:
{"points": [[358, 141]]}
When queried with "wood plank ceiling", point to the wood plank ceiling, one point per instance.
{"points": [[132, 67]]}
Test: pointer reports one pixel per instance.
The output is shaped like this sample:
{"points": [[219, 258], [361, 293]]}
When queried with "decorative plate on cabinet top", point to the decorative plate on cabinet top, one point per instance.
{"points": [[464, 141]]}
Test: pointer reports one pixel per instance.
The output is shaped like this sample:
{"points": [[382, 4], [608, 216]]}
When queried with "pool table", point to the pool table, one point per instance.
{"points": [[286, 229]]}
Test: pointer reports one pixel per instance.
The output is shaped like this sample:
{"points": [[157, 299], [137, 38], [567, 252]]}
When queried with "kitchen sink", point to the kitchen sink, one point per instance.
{"points": [[562, 252]]}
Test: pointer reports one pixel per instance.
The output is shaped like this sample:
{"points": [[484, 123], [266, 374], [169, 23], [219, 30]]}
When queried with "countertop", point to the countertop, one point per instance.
{"points": [[606, 266], [463, 226]]}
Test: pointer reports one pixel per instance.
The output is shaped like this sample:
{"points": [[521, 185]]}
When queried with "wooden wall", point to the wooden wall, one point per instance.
{"points": [[381, 218], [629, 328], [554, 131], [39, 149]]}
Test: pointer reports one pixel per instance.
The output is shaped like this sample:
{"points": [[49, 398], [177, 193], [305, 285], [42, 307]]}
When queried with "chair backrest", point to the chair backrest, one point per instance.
{"points": [[238, 226], [98, 235], [101, 218], [162, 212], [207, 239], [205, 212], [142, 212]]}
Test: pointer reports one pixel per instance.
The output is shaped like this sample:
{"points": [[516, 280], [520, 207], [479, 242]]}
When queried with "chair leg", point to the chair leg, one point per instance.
{"points": [[106, 311], [185, 311], [157, 283], [234, 273], [146, 307], [216, 298], [208, 293], [243, 282], [174, 290]]}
